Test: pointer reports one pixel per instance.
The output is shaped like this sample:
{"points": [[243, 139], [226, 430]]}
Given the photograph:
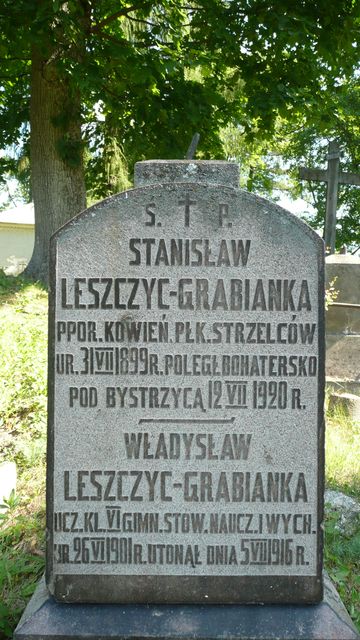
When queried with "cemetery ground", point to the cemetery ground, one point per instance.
{"points": [[23, 357]]}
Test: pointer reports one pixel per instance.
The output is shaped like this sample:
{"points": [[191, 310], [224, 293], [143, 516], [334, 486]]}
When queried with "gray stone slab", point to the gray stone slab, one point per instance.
{"points": [[343, 386], [194, 171], [343, 357], [344, 272], [45, 619], [186, 382]]}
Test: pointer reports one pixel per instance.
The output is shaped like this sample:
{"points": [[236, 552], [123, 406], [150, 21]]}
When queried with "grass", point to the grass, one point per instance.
{"points": [[343, 454], [23, 336], [342, 562], [342, 549], [23, 330]]}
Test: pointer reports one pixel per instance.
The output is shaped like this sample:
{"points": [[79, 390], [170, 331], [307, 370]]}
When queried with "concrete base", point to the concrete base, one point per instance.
{"points": [[343, 386], [45, 619]]}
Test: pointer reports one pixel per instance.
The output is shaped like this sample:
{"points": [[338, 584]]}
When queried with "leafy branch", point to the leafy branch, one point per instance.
{"points": [[118, 14]]}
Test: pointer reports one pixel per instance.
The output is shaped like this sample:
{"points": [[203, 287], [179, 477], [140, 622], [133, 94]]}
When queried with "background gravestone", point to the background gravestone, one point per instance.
{"points": [[186, 392], [343, 323]]}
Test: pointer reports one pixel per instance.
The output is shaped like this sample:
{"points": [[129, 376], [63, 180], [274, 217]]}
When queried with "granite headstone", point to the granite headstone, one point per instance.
{"points": [[186, 381]]}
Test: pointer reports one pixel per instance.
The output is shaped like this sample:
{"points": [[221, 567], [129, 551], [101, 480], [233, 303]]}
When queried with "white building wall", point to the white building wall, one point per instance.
{"points": [[16, 246]]}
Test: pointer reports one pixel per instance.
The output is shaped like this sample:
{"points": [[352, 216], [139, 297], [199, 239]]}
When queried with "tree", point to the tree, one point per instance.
{"points": [[307, 144], [271, 166], [158, 72]]}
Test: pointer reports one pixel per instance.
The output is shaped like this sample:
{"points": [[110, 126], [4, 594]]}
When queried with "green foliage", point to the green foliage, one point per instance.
{"points": [[163, 71], [23, 329], [23, 367], [342, 453], [107, 172], [306, 143], [342, 550], [262, 170], [15, 166], [331, 293], [342, 561], [280, 78], [8, 504], [21, 561], [270, 167]]}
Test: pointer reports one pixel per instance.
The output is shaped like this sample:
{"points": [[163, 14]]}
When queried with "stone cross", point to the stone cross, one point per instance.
{"points": [[333, 176]]}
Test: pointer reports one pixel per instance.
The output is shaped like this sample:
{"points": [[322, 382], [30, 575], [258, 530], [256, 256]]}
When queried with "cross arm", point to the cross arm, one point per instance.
{"points": [[349, 178], [321, 175]]}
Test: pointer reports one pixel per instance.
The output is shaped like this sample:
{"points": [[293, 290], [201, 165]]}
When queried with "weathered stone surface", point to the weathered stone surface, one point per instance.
{"points": [[45, 619], [205, 171], [348, 508], [343, 323], [186, 393], [344, 271], [343, 357]]}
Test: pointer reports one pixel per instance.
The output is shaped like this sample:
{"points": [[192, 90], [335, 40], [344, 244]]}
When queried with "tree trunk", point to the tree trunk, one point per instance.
{"points": [[57, 173]]}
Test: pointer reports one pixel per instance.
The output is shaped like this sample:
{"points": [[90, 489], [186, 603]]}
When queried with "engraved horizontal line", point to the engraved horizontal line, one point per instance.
{"points": [[175, 421], [236, 381], [236, 406]]}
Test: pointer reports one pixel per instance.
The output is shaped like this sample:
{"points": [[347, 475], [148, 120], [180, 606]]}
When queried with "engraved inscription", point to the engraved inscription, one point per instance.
{"points": [[186, 362]]}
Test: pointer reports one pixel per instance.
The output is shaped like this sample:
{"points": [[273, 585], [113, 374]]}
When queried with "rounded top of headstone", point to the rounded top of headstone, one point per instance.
{"points": [[205, 171]]}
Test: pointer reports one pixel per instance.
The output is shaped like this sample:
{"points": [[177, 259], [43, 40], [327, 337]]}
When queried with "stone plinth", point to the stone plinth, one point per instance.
{"points": [[45, 619]]}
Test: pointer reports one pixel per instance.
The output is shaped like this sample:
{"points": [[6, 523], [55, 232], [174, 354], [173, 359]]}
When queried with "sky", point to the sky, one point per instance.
{"points": [[297, 207]]}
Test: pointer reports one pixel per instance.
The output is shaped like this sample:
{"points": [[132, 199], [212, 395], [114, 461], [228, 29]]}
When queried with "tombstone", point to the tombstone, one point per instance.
{"points": [[343, 323], [186, 384]]}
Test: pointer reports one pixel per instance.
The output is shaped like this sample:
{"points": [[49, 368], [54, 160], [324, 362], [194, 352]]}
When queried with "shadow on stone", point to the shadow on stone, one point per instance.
{"points": [[44, 618]]}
